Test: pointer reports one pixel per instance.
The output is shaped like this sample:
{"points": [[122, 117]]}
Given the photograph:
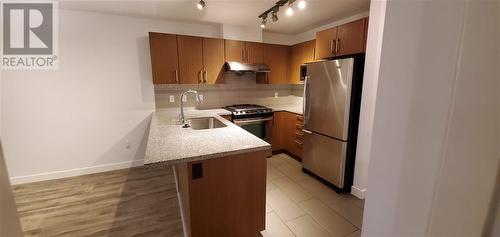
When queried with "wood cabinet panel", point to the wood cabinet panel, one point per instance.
{"points": [[298, 55], [254, 52], [213, 61], [293, 133], [351, 38], [234, 50], [190, 59], [276, 57], [164, 58], [278, 132], [325, 43], [230, 197]]}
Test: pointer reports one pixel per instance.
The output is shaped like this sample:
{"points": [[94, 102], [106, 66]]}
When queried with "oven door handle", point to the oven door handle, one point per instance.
{"points": [[250, 121]]}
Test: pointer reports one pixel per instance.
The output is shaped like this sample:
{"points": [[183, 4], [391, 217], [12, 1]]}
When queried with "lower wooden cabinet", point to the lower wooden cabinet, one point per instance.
{"points": [[287, 133]]}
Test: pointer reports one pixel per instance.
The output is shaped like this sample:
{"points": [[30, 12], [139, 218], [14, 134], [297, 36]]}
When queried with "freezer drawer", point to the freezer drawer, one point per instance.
{"points": [[325, 157]]}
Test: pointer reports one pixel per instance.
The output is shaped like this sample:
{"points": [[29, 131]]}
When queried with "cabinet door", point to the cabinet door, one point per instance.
{"points": [[351, 37], [213, 61], [164, 61], [190, 59], [278, 133], [234, 50], [308, 51], [276, 57], [295, 60], [254, 52], [325, 43]]}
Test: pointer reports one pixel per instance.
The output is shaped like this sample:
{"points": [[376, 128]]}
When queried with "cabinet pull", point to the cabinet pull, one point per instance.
{"points": [[176, 76], [205, 75], [337, 46], [300, 118], [333, 46], [299, 135], [200, 77], [298, 144], [243, 55], [299, 127]]}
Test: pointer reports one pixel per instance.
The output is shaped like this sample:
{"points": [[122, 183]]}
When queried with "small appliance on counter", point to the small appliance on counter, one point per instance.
{"points": [[332, 97], [255, 119]]}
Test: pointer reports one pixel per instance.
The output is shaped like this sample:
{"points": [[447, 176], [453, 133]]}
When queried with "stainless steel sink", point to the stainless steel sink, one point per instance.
{"points": [[205, 123]]}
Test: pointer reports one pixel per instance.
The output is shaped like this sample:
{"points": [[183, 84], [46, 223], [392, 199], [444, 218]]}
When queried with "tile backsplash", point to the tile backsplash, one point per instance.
{"points": [[238, 89]]}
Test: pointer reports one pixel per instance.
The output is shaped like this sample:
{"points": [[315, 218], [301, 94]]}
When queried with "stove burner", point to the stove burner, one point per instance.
{"points": [[249, 110]]}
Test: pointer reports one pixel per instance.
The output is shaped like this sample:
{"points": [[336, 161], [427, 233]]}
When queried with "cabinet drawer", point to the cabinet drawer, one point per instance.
{"points": [[299, 127], [300, 118], [298, 144], [299, 135]]}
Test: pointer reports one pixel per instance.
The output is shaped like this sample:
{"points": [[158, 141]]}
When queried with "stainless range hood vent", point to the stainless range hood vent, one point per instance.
{"points": [[247, 67]]}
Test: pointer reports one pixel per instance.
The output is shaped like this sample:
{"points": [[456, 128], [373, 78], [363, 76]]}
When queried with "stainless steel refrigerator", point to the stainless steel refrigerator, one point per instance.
{"points": [[332, 95]]}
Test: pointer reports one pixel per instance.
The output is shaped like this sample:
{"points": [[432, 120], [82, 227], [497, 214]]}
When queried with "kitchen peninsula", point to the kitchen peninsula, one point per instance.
{"points": [[220, 171]]}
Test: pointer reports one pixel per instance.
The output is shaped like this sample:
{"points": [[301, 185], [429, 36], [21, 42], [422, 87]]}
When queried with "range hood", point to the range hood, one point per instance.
{"points": [[246, 67]]}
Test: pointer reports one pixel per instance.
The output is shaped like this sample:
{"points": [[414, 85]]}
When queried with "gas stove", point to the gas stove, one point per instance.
{"points": [[249, 111]]}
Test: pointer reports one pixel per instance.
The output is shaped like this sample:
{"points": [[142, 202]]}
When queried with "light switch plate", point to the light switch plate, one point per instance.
{"points": [[202, 98], [171, 99], [184, 98]]}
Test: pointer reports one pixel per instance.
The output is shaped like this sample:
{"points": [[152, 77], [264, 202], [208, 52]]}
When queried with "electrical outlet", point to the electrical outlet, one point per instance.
{"points": [[275, 94], [171, 99], [184, 98], [202, 98], [128, 144]]}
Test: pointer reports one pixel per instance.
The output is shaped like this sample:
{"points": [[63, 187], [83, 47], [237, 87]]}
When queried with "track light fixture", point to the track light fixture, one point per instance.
{"points": [[289, 9], [302, 4], [274, 10], [275, 16], [264, 21], [201, 4]]}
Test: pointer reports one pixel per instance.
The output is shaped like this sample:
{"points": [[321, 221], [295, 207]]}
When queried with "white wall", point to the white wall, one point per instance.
{"points": [[369, 96], [233, 32], [91, 114], [434, 153]]}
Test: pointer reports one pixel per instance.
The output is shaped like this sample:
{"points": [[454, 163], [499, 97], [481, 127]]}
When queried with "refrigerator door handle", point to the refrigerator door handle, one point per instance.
{"points": [[306, 131], [304, 96]]}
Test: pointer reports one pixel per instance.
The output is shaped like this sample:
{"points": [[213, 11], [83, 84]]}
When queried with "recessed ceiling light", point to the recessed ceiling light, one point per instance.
{"points": [[201, 4], [302, 4]]}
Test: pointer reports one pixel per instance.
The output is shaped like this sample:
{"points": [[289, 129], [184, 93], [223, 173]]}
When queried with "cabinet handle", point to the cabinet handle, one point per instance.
{"points": [[205, 75], [299, 127], [300, 118], [200, 80], [333, 46], [243, 55], [298, 144], [299, 135], [337, 46], [176, 73]]}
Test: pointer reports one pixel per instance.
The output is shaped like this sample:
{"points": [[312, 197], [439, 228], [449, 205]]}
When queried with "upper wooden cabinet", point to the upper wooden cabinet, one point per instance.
{"points": [[164, 60], [213, 61], [325, 43], [351, 38], [299, 54], [254, 52], [234, 50], [276, 57], [190, 59], [342, 40], [243, 52]]}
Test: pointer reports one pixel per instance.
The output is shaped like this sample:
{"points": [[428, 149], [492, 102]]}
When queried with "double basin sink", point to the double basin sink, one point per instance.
{"points": [[205, 123]]}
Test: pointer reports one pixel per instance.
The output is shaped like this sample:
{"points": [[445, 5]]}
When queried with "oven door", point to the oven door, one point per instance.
{"points": [[260, 127]]}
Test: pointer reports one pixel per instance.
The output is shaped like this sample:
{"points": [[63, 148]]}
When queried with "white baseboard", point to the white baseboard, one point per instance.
{"points": [[74, 172], [358, 192]]}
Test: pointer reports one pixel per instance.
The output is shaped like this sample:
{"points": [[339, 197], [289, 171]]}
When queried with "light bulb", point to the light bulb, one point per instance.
{"points": [[289, 10], [201, 5], [302, 4], [263, 24]]}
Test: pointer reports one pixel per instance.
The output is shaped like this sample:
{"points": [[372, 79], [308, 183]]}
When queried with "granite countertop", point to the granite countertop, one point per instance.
{"points": [[169, 143]]}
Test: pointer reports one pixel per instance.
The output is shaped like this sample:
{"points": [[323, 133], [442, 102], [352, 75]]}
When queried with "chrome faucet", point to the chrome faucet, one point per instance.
{"points": [[181, 115]]}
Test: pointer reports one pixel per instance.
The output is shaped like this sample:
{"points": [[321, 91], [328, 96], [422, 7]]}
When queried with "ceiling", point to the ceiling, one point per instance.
{"points": [[235, 12]]}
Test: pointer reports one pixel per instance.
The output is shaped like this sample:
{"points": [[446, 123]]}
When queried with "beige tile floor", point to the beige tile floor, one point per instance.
{"points": [[298, 205]]}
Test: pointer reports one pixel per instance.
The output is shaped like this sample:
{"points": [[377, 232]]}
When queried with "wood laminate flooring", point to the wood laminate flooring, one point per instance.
{"points": [[130, 202]]}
